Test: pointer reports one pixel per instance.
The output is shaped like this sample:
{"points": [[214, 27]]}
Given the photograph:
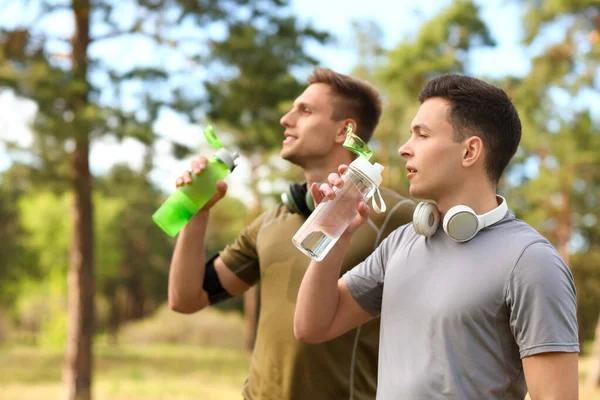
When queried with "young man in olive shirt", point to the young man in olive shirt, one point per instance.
{"points": [[282, 367]]}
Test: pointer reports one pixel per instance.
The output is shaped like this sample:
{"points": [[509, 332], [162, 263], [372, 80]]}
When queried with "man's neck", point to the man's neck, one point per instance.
{"points": [[318, 172], [481, 199]]}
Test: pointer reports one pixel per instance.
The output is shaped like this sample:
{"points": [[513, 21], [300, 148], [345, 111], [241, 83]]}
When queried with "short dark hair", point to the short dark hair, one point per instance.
{"points": [[357, 99], [478, 108]]}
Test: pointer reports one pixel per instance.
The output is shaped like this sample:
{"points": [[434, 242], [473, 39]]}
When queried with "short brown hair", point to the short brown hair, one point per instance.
{"points": [[357, 99], [478, 108]]}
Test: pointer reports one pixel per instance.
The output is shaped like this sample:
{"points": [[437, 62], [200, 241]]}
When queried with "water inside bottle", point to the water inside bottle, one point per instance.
{"points": [[316, 244], [328, 222]]}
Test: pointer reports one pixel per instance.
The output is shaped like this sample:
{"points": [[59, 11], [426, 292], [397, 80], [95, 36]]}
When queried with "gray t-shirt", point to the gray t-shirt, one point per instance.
{"points": [[456, 318]]}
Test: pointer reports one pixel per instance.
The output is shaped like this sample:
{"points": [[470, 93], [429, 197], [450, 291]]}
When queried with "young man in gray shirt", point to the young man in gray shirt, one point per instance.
{"points": [[474, 303]]}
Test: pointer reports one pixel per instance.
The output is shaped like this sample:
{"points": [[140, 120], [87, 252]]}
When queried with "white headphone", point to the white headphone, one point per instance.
{"points": [[460, 222]]}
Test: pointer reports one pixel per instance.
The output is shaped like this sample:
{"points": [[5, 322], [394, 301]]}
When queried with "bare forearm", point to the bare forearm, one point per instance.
{"points": [[186, 274], [318, 297]]}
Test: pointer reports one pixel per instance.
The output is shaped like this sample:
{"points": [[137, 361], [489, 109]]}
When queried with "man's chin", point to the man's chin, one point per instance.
{"points": [[285, 154], [288, 156], [418, 193]]}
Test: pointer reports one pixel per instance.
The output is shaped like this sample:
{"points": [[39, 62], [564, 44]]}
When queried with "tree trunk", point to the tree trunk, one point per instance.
{"points": [[77, 369], [593, 376], [77, 373]]}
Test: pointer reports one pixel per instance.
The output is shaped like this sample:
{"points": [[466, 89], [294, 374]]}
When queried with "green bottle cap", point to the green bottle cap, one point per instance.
{"points": [[356, 145], [211, 138]]}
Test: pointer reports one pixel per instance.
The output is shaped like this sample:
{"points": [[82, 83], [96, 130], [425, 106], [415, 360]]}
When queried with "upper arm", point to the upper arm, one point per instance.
{"points": [[552, 376], [542, 303], [349, 313], [238, 265], [230, 282], [543, 319]]}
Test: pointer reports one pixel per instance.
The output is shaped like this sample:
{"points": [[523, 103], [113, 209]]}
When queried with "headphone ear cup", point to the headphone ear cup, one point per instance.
{"points": [[461, 223], [416, 220], [426, 219], [295, 199], [309, 201], [287, 198]]}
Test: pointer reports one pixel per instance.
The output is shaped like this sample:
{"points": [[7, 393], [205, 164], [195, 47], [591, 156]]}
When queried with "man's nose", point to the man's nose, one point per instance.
{"points": [[405, 151], [287, 120]]}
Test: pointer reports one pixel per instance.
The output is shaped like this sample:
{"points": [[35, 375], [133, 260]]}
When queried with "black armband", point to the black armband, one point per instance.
{"points": [[212, 284]]}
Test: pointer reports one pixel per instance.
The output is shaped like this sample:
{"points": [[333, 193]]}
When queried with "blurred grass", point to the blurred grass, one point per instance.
{"points": [[129, 372], [141, 372], [211, 327], [169, 356]]}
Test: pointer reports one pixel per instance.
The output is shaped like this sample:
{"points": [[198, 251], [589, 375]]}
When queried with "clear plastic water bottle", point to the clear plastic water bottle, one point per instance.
{"points": [[188, 199], [330, 219]]}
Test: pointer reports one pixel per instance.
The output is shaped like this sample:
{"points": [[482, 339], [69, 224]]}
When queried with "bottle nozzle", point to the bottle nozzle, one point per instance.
{"points": [[356, 145], [211, 138]]}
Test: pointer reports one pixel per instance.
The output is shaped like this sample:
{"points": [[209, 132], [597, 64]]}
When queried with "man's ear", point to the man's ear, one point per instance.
{"points": [[473, 151], [348, 127]]}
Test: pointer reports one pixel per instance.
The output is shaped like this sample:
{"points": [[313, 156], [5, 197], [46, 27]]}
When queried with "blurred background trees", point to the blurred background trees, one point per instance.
{"points": [[79, 250], [82, 97]]}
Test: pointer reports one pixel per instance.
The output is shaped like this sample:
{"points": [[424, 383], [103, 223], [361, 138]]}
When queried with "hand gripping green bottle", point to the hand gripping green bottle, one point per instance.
{"points": [[185, 202]]}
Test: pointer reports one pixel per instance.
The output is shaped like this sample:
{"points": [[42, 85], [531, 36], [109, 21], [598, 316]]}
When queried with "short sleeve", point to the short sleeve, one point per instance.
{"points": [[365, 281], [241, 256], [542, 302]]}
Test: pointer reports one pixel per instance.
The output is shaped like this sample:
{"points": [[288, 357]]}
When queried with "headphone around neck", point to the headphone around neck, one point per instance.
{"points": [[298, 199], [460, 222]]}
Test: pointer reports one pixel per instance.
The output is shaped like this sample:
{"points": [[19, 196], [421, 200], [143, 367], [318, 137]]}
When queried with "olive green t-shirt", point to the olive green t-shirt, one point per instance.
{"points": [[283, 368]]}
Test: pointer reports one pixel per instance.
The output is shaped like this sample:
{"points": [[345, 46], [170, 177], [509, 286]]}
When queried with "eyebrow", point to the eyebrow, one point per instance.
{"points": [[420, 127], [301, 104]]}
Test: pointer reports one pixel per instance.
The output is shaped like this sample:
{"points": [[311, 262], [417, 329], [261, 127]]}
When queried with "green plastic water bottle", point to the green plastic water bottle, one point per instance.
{"points": [[185, 202]]}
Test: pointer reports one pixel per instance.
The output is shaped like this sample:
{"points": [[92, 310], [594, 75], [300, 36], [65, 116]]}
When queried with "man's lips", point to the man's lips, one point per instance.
{"points": [[288, 138], [411, 171]]}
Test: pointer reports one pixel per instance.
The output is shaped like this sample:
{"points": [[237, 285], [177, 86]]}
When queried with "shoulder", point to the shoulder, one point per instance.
{"points": [[400, 238], [268, 217], [514, 234], [533, 254], [541, 259]]}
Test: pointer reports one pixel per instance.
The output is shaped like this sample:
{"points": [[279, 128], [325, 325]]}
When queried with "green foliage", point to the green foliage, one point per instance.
{"points": [[82, 97], [130, 251], [540, 14], [262, 56], [564, 143], [40, 306], [44, 216], [587, 280], [53, 334], [16, 261]]}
